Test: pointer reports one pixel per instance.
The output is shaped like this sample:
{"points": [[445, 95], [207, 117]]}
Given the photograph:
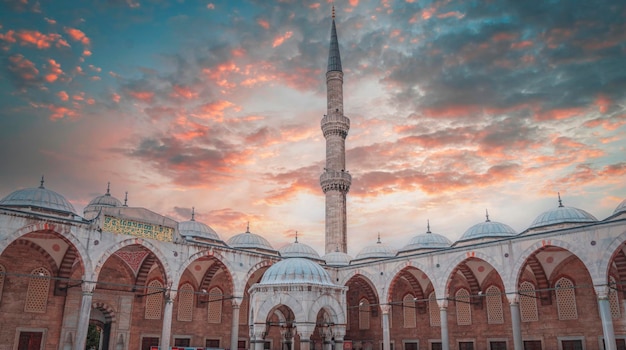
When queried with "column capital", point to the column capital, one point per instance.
{"points": [[88, 287], [602, 291], [513, 298], [305, 330], [384, 308]]}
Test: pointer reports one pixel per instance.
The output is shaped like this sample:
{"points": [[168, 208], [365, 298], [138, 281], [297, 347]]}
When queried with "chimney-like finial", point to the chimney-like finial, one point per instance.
{"points": [[487, 215], [296, 237], [378, 242], [333, 11], [126, 198], [108, 189], [560, 201], [428, 226], [248, 227], [193, 214], [41, 183]]}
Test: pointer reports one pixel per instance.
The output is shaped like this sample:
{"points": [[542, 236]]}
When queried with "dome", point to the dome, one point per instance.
{"points": [[621, 208], [193, 228], [562, 215], [337, 258], [427, 240], [298, 250], [248, 240], [488, 229], [296, 270], [378, 250], [39, 197]]}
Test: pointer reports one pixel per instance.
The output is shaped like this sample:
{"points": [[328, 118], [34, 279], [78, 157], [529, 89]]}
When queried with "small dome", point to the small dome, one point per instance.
{"points": [[39, 197], [378, 250], [488, 229], [427, 240], [562, 215], [248, 240], [193, 228], [298, 250], [621, 208], [296, 270], [337, 258]]}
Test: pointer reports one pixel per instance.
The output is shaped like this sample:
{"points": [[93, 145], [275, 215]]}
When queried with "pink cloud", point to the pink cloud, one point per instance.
{"points": [[115, 97], [263, 23], [145, 96], [77, 35], [34, 38], [183, 92], [63, 96], [54, 71], [23, 68], [279, 40]]}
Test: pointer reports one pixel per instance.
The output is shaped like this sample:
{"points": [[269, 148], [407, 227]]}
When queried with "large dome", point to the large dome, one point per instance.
{"points": [[427, 240], [337, 258], [39, 197], [298, 250], [621, 208], [248, 240], [193, 228], [105, 200], [296, 270], [488, 229], [562, 215], [378, 250]]}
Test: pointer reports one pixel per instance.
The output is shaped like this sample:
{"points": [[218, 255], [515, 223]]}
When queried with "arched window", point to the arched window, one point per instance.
{"points": [[364, 314], [3, 272], [566, 299], [528, 302], [38, 290], [494, 306], [463, 309], [215, 305], [408, 308], [613, 299], [154, 302], [433, 311], [185, 303]]}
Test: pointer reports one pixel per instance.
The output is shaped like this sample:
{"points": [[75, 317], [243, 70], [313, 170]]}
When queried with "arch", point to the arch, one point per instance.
{"points": [[370, 288], [107, 310], [154, 301], [207, 278], [331, 306], [167, 271], [215, 307], [604, 263], [408, 311], [566, 299], [495, 314], [185, 303], [63, 232], [528, 302], [44, 253], [38, 291], [457, 261], [463, 309], [364, 314], [404, 271], [261, 313], [216, 254]]}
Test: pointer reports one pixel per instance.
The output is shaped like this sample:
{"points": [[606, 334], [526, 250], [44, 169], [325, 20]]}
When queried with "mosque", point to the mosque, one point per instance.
{"points": [[120, 277]]}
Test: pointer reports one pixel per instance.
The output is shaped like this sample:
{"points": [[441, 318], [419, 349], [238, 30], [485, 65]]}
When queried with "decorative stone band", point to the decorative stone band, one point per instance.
{"points": [[335, 181], [335, 125]]}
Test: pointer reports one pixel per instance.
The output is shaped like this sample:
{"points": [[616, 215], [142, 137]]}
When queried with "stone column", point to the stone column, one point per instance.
{"points": [[257, 335], [83, 318], [386, 337], [339, 332], [166, 331], [604, 306], [516, 323], [304, 331], [443, 315], [234, 328]]}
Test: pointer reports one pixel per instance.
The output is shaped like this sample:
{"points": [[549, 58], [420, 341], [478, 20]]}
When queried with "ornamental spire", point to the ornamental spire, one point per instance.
{"points": [[560, 201], [193, 214], [334, 58]]}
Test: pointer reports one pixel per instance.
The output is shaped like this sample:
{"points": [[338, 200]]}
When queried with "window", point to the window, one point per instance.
{"points": [[613, 299], [463, 310], [154, 302], [435, 346], [241, 345], [466, 345], [494, 306], [528, 303], [215, 305], [433, 311], [566, 299], [30, 341], [411, 345], [497, 345], [185, 303], [364, 314], [621, 344], [571, 344], [182, 341], [212, 343], [408, 309], [148, 342], [38, 290], [532, 345]]}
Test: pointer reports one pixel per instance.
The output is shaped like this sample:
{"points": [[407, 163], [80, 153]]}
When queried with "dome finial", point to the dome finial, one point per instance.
{"points": [[337, 249], [193, 214], [108, 189], [41, 184], [296, 237], [126, 198], [428, 226], [378, 242], [487, 215], [248, 227], [560, 201], [333, 10]]}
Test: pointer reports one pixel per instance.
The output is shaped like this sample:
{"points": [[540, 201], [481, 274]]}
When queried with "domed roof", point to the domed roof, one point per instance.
{"points": [[39, 197], [248, 240], [296, 270], [620, 208], [298, 250], [488, 229], [105, 200], [337, 258], [561, 215], [378, 250], [427, 240], [193, 228]]}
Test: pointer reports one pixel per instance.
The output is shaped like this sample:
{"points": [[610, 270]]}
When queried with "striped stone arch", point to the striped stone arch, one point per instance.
{"points": [[332, 307], [510, 282], [604, 263], [241, 285], [54, 269], [206, 253], [374, 296], [107, 310], [63, 231], [441, 286], [134, 241], [395, 273], [268, 305], [369, 277]]}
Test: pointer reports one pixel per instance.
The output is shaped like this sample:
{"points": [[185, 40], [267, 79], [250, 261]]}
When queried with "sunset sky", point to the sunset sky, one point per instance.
{"points": [[455, 106]]}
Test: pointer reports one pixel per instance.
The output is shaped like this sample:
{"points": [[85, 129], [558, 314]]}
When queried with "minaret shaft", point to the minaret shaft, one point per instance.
{"points": [[335, 180]]}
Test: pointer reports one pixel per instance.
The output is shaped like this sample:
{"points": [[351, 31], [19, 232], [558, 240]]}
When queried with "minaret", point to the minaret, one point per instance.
{"points": [[335, 180]]}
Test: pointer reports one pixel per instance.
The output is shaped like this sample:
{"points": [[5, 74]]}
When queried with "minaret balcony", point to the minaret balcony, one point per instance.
{"points": [[335, 180], [335, 124]]}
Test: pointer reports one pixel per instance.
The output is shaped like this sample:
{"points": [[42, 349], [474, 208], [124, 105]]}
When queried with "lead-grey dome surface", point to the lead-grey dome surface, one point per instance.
{"points": [[298, 250], [620, 208], [39, 197], [427, 240], [337, 258], [193, 228], [378, 250], [561, 215], [296, 270], [488, 229], [248, 240]]}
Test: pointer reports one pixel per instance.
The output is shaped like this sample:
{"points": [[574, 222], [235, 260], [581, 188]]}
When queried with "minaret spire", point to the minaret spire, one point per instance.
{"points": [[335, 180]]}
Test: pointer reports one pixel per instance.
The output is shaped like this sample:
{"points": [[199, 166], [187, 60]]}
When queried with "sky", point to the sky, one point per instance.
{"points": [[456, 107]]}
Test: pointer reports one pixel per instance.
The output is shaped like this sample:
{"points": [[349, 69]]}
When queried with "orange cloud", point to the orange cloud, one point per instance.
{"points": [[353, 3], [115, 97], [23, 67], [63, 96], [77, 35], [263, 23], [215, 110], [522, 44], [183, 92], [559, 114], [34, 38], [59, 112], [456, 14], [279, 40], [315, 5], [54, 71], [504, 37], [603, 103], [145, 96]]}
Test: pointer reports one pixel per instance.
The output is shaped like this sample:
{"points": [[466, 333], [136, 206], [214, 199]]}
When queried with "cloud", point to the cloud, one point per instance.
{"points": [[34, 38], [78, 35], [54, 71], [22, 71], [280, 39]]}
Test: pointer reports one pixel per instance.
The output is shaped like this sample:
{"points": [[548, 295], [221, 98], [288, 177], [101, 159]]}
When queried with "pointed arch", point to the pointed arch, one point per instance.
{"points": [[154, 301], [107, 310], [217, 255], [38, 290], [185, 302], [495, 314], [566, 299], [463, 309], [216, 302]]}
